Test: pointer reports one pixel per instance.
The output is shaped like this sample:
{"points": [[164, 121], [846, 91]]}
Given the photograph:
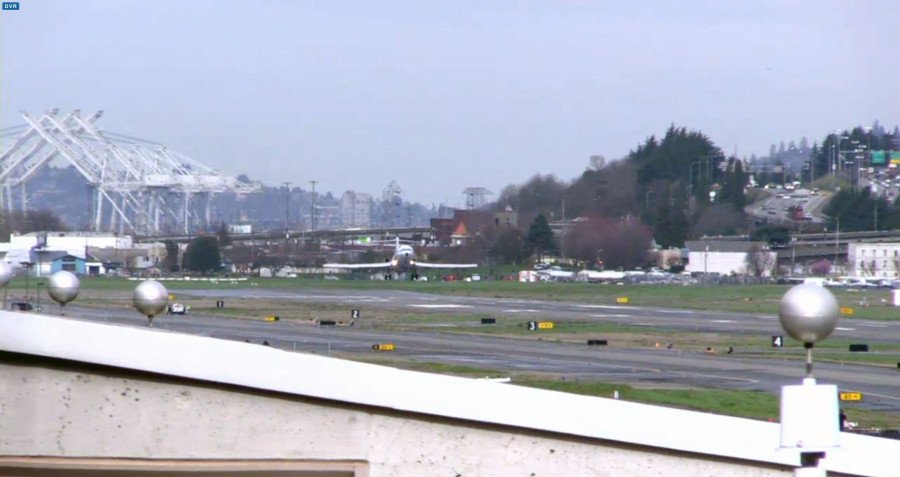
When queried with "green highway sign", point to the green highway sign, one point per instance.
{"points": [[878, 157]]}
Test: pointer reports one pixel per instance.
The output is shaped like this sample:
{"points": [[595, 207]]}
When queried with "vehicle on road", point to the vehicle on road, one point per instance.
{"points": [[177, 309]]}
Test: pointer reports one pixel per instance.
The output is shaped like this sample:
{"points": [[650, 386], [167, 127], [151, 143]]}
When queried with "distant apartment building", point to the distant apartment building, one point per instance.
{"points": [[875, 260], [356, 209]]}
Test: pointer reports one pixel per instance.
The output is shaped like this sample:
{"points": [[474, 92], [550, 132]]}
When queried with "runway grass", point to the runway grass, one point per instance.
{"points": [[748, 404], [725, 298], [116, 294], [619, 332]]}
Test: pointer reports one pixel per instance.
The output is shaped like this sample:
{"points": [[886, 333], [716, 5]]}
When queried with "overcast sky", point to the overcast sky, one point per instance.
{"points": [[440, 96]]}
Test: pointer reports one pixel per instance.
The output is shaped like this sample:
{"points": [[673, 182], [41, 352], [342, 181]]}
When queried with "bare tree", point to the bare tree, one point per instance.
{"points": [[759, 261], [617, 243]]}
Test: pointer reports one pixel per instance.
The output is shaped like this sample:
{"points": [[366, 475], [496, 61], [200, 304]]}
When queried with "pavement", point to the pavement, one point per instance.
{"points": [[664, 318], [638, 366]]}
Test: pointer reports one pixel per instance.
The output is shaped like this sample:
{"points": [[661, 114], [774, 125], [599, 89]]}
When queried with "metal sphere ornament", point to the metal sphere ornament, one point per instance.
{"points": [[6, 274], [63, 287], [151, 298], [808, 312]]}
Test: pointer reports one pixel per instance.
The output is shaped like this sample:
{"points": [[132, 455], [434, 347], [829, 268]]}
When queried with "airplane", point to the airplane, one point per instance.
{"points": [[403, 261]]}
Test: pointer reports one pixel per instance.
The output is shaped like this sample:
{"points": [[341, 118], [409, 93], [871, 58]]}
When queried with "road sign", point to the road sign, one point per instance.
{"points": [[878, 157], [777, 341], [622, 299], [852, 396], [383, 347], [220, 304], [846, 310], [532, 325], [545, 325], [354, 314]]}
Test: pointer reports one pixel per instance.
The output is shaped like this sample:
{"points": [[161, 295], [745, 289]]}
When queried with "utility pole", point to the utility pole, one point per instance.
{"points": [[837, 235], [287, 207], [875, 225], [312, 221]]}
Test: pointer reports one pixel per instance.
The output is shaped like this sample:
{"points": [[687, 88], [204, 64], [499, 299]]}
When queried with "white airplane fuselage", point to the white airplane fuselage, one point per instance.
{"points": [[403, 260]]}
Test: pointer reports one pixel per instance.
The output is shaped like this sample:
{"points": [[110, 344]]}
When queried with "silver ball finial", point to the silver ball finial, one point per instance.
{"points": [[6, 274], [151, 298], [808, 312], [63, 286]]}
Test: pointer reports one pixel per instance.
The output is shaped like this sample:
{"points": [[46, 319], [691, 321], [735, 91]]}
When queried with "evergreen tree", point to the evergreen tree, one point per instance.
{"points": [[672, 223], [202, 255], [222, 235], [540, 237], [733, 187], [170, 262], [857, 211]]}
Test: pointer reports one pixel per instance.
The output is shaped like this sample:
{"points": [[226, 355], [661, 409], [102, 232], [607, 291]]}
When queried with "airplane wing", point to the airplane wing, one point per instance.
{"points": [[445, 265], [358, 266]]}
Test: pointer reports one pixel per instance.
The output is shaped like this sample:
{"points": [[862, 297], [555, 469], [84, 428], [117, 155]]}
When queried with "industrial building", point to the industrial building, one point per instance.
{"points": [[728, 257]]}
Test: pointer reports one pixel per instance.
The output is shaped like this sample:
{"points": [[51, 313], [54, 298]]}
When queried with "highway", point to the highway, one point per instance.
{"points": [[637, 366], [774, 208]]}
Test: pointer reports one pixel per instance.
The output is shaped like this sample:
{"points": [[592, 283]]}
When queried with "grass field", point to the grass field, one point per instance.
{"points": [[116, 293], [725, 298], [113, 294], [748, 404]]}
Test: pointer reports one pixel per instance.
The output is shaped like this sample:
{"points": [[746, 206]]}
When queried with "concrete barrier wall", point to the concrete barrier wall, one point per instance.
{"points": [[56, 409]]}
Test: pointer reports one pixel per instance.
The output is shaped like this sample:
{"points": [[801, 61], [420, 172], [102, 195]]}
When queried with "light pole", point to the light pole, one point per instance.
{"points": [[837, 235], [313, 219], [287, 207]]}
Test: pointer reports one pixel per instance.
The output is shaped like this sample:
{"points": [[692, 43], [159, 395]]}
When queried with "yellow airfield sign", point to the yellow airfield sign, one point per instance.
{"points": [[851, 396]]}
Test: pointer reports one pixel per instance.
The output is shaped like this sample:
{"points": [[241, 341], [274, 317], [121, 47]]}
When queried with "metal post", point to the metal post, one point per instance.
{"points": [[313, 219], [875, 224], [705, 259], [837, 234], [98, 214], [809, 368], [287, 206], [186, 205]]}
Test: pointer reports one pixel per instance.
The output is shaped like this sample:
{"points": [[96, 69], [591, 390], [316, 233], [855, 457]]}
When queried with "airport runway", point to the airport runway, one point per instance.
{"points": [[866, 331], [659, 367]]}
